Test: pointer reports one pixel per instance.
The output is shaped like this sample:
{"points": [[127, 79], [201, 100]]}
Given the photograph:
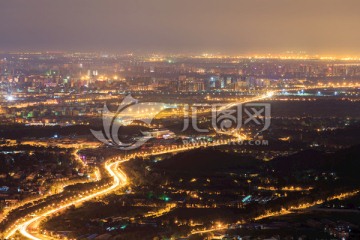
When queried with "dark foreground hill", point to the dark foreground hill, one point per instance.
{"points": [[207, 160], [345, 163]]}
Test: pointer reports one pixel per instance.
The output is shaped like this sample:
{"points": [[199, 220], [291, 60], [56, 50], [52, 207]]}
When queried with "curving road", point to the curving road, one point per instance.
{"points": [[119, 179]]}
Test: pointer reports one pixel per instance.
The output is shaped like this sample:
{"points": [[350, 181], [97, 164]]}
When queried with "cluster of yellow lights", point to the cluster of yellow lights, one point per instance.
{"points": [[162, 211], [278, 56], [283, 211], [289, 189], [289, 210], [102, 77], [119, 180]]}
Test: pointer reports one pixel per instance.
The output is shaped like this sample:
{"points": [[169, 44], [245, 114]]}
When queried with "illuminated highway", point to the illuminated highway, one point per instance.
{"points": [[28, 227], [76, 157], [261, 97], [119, 177], [119, 180], [283, 211]]}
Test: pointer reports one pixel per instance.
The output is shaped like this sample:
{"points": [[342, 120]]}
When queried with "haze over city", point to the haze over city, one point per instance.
{"points": [[231, 26]]}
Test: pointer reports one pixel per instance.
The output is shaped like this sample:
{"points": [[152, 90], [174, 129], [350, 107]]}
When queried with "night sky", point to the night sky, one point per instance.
{"points": [[228, 26]]}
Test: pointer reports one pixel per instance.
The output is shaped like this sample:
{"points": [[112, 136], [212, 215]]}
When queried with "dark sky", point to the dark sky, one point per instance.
{"points": [[231, 26]]}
